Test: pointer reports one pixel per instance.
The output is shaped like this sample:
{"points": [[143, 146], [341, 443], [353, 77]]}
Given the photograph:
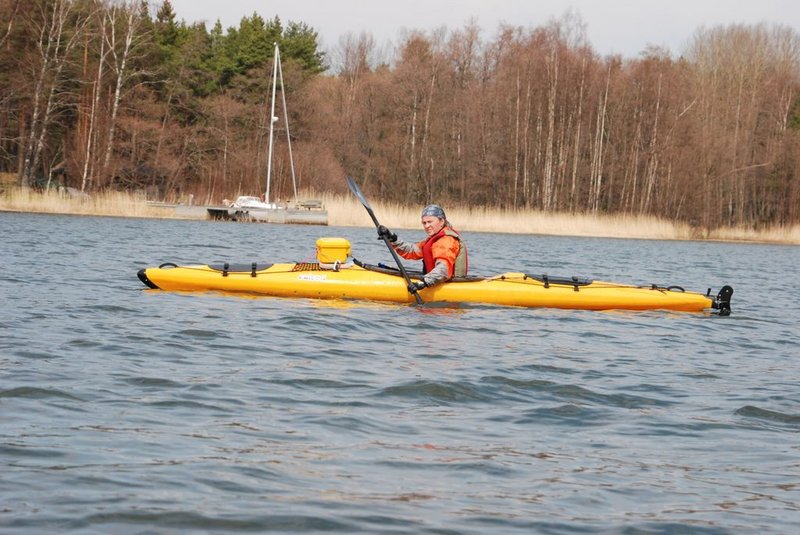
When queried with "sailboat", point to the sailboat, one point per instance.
{"points": [[265, 209]]}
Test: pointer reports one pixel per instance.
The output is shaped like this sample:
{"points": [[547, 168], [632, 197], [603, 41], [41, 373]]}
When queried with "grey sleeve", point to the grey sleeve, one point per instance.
{"points": [[405, 247], [437, 275]]}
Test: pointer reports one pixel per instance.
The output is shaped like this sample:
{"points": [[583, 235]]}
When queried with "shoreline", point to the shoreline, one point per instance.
{"points": [[345, 211], [632, 236]]}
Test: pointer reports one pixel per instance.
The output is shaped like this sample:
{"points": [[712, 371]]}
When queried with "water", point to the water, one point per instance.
{"points": [[132, 411]]}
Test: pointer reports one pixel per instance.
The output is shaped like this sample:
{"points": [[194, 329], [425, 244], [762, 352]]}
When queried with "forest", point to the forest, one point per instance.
{"points": [[101, 95]]}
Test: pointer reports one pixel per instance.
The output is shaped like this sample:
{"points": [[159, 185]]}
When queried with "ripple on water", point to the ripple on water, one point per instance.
{"points": [[769, 416], [439, 391], [563, 415], [28, 392]]}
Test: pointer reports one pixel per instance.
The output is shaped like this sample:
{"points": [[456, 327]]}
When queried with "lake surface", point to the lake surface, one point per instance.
{"points": [[124, 410]]}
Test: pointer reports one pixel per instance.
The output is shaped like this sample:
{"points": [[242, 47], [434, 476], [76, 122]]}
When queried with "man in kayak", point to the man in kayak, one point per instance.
{"points": [[443, 253]]}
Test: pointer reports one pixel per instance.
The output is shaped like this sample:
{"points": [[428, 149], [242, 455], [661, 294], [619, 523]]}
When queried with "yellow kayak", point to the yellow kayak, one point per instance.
{"points": [[337, 276]]}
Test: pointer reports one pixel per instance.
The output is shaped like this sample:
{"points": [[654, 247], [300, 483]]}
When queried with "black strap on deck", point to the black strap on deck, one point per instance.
{"points": [[547, 280]]}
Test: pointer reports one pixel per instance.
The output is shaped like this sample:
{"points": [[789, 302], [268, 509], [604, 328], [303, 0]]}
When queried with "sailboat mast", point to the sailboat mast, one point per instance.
{"points": [[272, 120], [288, 136]]}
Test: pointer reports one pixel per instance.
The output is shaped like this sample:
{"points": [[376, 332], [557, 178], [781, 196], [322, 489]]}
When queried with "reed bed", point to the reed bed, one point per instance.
{"points": [[346, 211], [111, 203], [774, 234]]}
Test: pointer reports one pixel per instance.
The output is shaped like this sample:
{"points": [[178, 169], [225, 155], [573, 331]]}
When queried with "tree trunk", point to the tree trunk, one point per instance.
{"points": [[121, 70]]}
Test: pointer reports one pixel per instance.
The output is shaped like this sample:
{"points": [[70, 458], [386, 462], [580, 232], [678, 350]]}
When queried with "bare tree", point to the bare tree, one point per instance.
{"points": [[122, 35], [596, 177], [57, 36], [12, 6], [97, 89]]}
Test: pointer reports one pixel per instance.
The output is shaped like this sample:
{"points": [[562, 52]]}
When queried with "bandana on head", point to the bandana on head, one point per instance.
{"points": [[433, 210]]}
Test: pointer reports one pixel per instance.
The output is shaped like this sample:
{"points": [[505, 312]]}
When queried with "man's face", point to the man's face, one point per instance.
{"points": [[432, 224]]}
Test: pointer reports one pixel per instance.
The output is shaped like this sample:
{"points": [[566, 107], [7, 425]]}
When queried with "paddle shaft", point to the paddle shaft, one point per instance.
{"points": [[357, 192]]}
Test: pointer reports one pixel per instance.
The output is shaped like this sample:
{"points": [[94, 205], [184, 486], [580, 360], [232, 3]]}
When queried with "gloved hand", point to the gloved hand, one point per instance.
{"points": [[414, 287], [384, 232]]}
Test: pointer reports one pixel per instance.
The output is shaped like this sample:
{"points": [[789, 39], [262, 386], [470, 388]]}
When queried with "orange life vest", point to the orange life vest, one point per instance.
{"points": [[460, 262]]}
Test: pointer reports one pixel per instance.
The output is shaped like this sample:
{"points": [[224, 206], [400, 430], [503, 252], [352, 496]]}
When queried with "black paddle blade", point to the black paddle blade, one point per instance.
{"points": [[357, 192]]}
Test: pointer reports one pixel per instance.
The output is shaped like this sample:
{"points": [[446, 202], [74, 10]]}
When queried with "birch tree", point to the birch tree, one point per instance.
{"points": [[94, 107], [121, 34], [596, 168], [12, 8], [57, 34]]}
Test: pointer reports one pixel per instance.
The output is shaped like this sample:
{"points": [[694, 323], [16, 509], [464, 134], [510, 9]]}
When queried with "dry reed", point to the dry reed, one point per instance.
{"points": [[347, 211], [112, 203]]}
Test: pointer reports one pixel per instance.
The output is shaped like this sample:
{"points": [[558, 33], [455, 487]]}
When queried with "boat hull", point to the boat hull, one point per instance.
{"points": [[356, 282], [289, 216]]}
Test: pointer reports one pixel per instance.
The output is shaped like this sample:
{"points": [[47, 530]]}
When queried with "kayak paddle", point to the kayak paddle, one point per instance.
{"points": [[357, 192]]}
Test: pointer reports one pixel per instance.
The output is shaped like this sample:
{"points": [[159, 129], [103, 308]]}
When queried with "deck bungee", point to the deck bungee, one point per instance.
{"points": [[337, 276]]}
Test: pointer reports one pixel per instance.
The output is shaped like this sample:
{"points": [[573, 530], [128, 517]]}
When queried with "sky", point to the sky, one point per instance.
{"points": [[623, 27]]}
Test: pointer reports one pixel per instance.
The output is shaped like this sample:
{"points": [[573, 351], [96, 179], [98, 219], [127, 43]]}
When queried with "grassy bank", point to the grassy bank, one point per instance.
{"points": [[345, 210], [104, 204], [348, 212]]}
